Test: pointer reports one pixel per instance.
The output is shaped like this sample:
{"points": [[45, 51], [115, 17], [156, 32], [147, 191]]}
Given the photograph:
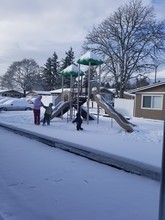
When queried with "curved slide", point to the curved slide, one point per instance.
{"points": [[120, 119], [60, 109]]}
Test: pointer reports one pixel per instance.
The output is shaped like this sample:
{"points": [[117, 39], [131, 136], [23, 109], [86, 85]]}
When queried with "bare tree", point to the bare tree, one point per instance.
{"points": [[128, 40], [21, 75], [6, 81], [157, 61]]}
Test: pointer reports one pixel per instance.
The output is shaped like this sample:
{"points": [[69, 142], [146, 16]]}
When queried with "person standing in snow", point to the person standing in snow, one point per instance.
{"points": [[78, 121], [36, 109], [48, 113]]}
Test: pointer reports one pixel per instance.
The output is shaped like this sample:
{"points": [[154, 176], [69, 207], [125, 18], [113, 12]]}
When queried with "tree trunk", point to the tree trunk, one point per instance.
{"points": [[121, 95], [24, 93]]}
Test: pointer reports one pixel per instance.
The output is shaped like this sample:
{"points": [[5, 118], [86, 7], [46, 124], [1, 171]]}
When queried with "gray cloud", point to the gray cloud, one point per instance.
{"points": [[37, 28]]}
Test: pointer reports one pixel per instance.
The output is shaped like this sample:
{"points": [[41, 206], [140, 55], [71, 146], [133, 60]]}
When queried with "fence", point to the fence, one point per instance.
{"points": [[124, 106]]}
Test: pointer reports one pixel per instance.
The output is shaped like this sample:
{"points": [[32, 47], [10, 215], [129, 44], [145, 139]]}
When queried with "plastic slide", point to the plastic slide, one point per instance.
{"points": [[84, 114], [120, 119], [60, 109], [83, 110]]}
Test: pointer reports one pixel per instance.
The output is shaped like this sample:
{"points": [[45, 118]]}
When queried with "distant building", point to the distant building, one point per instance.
{"points": [[11, 93], [150, 101], [35, 93]]}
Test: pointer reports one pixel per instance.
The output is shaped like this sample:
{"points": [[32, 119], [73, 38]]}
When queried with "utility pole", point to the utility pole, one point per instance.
{"points": [[162, 182]]}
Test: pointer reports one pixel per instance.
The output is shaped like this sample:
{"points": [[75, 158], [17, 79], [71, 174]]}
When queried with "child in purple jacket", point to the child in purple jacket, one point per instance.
{"points": [[36, 109]]}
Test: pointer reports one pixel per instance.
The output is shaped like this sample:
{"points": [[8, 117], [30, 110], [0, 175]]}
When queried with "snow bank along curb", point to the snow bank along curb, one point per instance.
{"points": [[119, 162]]}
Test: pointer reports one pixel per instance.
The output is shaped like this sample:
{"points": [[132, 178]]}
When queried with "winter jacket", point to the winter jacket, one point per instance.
{"points": [[49, 109], [78, 119], [38, 103]]}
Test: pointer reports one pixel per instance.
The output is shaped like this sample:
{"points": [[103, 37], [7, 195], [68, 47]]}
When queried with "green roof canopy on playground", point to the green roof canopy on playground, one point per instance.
{"points": [[90, 58], [72, 70]]}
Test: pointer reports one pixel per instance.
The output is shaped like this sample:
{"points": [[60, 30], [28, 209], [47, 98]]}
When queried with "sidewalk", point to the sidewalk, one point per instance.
{"points": [[116, 161]]}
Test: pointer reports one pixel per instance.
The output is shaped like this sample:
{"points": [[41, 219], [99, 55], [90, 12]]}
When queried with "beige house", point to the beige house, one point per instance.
{"points": [[150, 101]]}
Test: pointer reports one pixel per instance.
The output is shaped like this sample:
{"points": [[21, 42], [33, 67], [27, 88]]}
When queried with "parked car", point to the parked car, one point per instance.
{"points": [[4, 99], [16, 105]]}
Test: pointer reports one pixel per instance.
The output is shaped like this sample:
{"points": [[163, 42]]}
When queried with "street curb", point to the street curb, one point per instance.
{"points": [[112, 160]]}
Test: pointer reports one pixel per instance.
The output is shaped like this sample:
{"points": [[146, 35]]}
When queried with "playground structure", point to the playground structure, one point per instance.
{"points": [[109, 109], [64, 107], [74, 99]]}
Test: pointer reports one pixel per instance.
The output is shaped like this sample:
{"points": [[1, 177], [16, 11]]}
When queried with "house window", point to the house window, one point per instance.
{"points": [[152, 102]]}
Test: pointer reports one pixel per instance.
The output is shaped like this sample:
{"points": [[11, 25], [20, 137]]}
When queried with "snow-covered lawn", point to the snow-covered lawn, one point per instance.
{"points": [[40, 182], [144, 144]]}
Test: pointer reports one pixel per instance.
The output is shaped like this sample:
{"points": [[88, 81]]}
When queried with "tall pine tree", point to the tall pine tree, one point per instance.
{"points": [[48, 76], [56, 71], [51, 73], [67, 61]]}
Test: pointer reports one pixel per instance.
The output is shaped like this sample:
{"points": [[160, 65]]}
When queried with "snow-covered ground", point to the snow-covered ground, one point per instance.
{"points": [[39, 182], [144, 144]]}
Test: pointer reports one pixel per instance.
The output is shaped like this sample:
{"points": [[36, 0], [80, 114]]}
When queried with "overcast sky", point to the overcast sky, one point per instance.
{"points": [[37, 28]]}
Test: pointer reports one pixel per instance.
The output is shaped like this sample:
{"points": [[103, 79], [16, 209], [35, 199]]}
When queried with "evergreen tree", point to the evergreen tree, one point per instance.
{"points": [[67, 61], [56, 70], [48, 76], [51, 73]]}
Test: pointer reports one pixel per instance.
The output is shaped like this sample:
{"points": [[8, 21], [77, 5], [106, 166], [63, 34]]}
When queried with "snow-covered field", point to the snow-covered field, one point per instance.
{"points": [[39, 182], [144, 144]]}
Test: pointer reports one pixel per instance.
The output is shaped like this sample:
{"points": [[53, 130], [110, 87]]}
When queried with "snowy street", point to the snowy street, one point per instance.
{"points": [[40, 182]]}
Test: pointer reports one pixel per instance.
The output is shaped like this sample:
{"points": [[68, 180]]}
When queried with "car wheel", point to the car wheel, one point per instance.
{"points": [[28, 109], [3, 109]]}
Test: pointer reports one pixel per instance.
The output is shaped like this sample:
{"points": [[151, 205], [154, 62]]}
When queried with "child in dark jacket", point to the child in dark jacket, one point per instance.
{"points": [[78, 121], [48, 113]]}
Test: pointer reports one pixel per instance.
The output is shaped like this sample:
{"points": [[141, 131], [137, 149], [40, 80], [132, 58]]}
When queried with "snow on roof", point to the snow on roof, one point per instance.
{"points": [[3, 90], [90, 54], [40, 92], [146, 87], [73, 68], [60, 90]]}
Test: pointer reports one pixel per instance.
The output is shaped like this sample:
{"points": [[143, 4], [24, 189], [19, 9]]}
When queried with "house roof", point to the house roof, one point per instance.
{"points": [[3, 90], [10, 90], [146, 87], [39, 92], [59, 91]]}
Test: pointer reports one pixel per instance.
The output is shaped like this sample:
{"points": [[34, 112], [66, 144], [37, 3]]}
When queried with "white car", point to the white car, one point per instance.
{"points": [[16, 105], [4, 99]]}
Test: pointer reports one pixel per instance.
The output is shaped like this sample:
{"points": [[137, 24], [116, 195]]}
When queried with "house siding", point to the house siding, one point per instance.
{"points": [[149, 113]]}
